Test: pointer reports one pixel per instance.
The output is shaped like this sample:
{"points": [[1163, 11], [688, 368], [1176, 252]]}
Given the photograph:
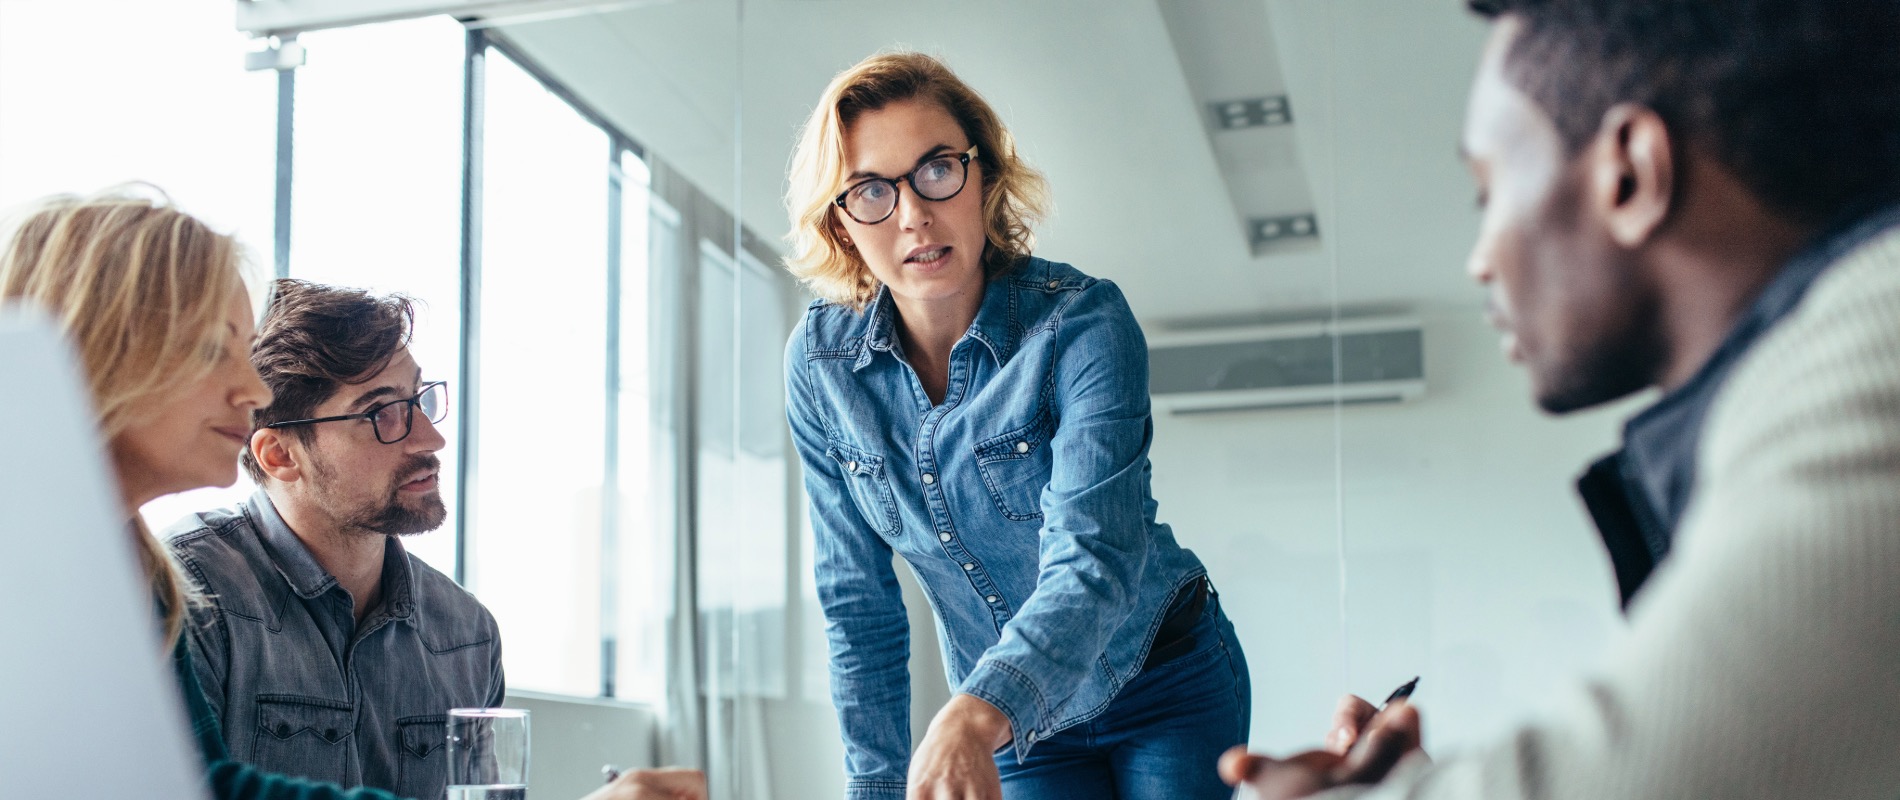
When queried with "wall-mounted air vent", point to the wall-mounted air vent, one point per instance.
{"points": [[1379, 360]]}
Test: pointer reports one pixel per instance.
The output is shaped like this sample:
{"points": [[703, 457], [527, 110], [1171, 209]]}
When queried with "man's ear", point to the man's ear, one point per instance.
{"points": [[1632, 173], [277, 455]]}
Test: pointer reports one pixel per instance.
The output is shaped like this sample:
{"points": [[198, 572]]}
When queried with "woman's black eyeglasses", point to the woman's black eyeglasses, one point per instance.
{"points": [[873, 200], [395, 419]]}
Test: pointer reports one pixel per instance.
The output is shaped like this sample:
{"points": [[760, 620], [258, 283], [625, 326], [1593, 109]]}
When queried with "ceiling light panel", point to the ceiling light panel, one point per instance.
{"points": [[1227, 57]]}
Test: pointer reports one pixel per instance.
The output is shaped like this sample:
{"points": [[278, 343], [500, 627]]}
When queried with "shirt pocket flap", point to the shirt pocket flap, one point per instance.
{"points": [[423, 734], [856, 462], [870, 490], [1016, 466], [284, 716], [1025, 442]]}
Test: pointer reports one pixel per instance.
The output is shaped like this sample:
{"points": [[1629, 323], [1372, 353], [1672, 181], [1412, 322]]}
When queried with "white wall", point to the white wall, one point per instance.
{"points": [[1469, 560], [570, 739]]}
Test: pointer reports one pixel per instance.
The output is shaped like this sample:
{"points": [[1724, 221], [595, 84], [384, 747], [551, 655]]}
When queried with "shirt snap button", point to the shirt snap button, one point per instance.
{"points": [[968, 567], [929, 479], [851, 465], [991, 598], [1022, 447], [330, 734], [1054, 284], [943, 537], [283, 730]]}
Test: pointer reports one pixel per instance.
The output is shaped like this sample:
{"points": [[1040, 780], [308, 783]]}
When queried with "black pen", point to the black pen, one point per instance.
{"points": [[1400, 693]]}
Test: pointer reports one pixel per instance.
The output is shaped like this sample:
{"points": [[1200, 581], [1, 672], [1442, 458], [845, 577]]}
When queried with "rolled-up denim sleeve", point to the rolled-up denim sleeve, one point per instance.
{"points": [[866, 626], [1095, 521]]}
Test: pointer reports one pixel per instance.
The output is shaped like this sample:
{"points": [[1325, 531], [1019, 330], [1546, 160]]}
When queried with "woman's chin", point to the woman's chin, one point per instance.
{"points": [[932, 284]]}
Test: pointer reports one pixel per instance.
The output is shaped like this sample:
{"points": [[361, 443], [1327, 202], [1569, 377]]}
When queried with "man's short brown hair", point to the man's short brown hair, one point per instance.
{"points": [[316, 339]]}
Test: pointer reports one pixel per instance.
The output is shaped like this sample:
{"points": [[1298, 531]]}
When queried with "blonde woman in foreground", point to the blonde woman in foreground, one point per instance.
{"points": [[154, 303]]}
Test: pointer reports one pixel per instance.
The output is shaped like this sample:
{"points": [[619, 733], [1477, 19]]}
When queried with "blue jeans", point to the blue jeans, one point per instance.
{"points": [[1159, 738]]}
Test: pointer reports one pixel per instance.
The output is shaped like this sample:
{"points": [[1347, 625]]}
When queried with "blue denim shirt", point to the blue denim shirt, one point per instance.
{"points": [[1022, 503]]}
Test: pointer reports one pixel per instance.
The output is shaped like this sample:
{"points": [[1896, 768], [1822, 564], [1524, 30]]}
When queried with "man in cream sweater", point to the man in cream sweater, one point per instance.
{"points": [[1703, 197]]}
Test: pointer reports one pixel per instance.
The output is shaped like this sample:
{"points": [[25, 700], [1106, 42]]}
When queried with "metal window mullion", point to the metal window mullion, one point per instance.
{"points": [[610, 474], [286, 138], [473, 106]]}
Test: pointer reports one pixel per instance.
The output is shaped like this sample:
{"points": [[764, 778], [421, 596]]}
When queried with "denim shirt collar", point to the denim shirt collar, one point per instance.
{"points": [[308, 578], [994, 325]]}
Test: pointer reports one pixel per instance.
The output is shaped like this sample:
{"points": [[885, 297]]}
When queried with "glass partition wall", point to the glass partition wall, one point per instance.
{"points": [[1274, 187], [587, 204]]}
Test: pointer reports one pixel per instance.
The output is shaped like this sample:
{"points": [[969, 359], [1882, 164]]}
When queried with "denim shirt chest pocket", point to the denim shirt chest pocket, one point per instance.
{"points": [[869, 487], [303, 735], [421, 769], [1016, 466]]}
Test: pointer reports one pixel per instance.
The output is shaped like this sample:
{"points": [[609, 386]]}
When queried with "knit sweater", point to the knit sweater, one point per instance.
{"points": [[1763, 659]]}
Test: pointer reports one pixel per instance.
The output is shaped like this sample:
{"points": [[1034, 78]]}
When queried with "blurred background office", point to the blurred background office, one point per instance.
{"points": [[585, 197]]}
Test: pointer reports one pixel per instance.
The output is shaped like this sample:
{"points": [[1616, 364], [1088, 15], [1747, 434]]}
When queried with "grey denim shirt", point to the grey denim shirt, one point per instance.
{"points": [[300, 687]]}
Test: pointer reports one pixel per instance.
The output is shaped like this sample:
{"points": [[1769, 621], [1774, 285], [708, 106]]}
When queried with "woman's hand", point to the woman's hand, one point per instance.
{"points": [[654, 784], [954, 761]]}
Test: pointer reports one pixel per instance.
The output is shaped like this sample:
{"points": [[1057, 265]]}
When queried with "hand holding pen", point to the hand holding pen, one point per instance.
{"points": [[1366, 743], [1354, 715]]}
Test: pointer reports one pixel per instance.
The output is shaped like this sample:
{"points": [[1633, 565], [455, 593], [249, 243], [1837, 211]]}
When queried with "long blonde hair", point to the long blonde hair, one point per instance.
{"points": [[1015, 195], [139, 288]]}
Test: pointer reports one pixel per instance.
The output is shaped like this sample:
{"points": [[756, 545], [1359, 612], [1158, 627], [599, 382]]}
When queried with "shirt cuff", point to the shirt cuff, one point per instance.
{"points": [[873, 790], [1014, 694]]}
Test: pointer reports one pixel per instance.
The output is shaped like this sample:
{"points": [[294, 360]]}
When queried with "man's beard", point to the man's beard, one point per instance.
{"points": [[388, 515]]}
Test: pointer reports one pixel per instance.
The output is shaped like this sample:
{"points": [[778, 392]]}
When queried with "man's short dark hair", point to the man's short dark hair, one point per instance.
{"points": [[316, 339], [1799, 98]]}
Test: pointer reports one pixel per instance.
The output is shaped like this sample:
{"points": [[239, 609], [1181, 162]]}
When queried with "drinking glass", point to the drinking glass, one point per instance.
{"points": [[488, 754]]}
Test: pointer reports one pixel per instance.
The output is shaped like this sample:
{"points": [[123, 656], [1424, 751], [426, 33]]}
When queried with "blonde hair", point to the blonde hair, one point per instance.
{"points": [[139, 288], [1015, 195]]}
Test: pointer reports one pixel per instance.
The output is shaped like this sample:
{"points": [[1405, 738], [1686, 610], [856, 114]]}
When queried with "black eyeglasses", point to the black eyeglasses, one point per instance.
{"points": [[395, 419], [873, 200]]}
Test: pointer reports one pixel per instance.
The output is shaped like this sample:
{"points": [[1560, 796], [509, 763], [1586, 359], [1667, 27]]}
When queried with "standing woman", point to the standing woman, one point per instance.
{"points": [[984, 414], [154, 304]]}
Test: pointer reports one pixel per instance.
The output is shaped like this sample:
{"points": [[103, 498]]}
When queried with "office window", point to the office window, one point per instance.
{"points": [[744, 535], [376, 193], [537, 475], [643, 572], [159, 95]]}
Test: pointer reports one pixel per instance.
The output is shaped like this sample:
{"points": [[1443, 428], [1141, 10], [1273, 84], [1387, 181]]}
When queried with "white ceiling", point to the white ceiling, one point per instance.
{"points": [[1095, 95]]}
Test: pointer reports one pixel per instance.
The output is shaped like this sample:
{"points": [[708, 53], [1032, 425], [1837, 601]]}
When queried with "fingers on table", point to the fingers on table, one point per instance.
{"points": [[683, 784]]}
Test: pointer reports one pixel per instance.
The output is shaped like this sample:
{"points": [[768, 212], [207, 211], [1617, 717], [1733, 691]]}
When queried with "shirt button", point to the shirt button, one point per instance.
{"points": [[991, 598], [851, 465], [943, 537], [1054, 284], [929, 479], [283, 730], [968, 567], [1031, 736], [1022, 447]]}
